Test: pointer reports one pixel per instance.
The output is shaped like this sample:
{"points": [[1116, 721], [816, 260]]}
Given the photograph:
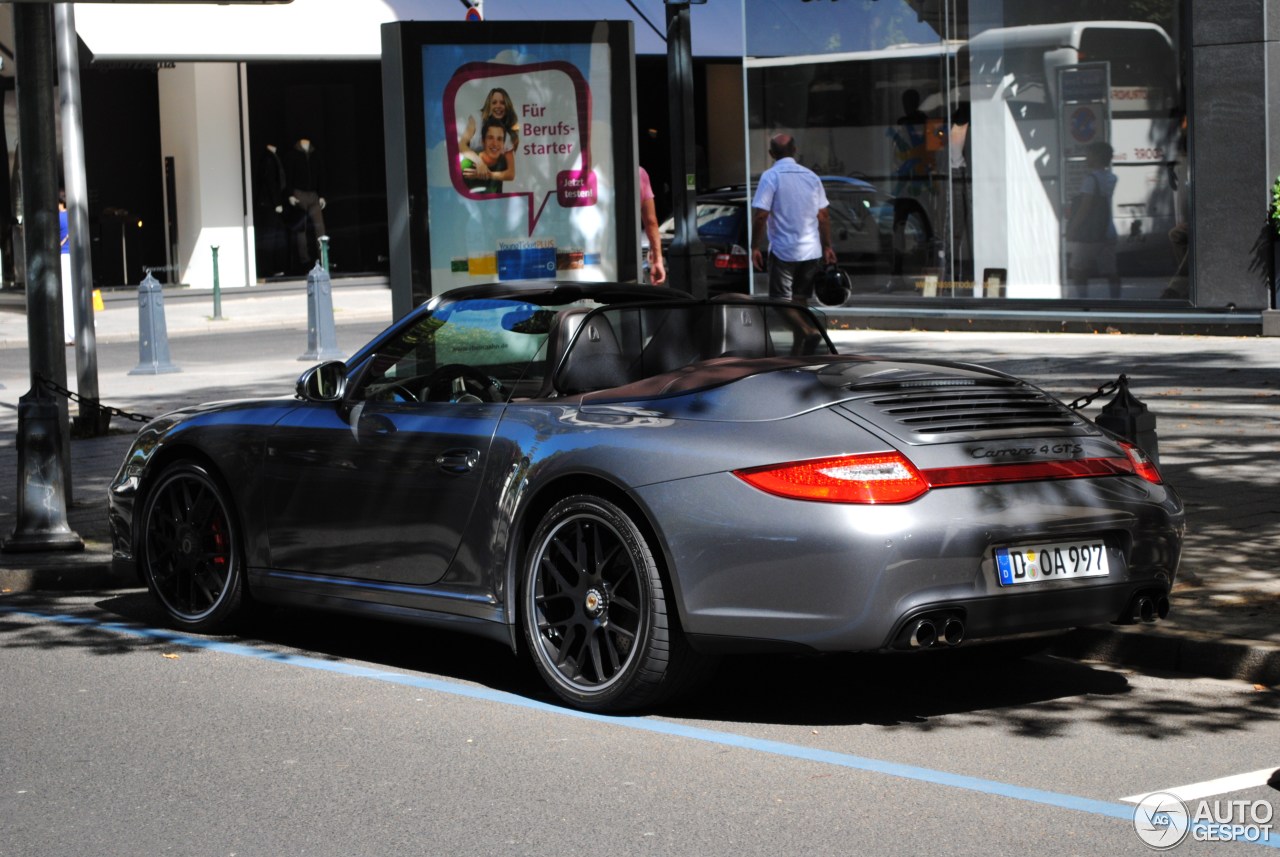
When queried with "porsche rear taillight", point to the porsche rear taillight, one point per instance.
{"points": [[735, 260], [1142, 464], [875, 478], [888, 477]]}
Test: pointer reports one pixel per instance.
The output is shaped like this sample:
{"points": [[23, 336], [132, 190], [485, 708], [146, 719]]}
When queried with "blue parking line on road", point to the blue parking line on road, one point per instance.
{"points": [[728, 739]]}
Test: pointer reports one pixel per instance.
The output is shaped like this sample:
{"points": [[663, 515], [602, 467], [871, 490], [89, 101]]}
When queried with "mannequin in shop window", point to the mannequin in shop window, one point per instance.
{"points": [[954, 159], [1179, 287], [305, 172], [271, 195]]}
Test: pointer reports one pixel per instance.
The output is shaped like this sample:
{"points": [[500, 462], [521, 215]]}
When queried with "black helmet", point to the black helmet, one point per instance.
{"points": [[832, 287]]}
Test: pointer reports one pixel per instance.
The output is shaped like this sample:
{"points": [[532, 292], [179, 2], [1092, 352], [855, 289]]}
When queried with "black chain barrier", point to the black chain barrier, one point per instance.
{"points": [[97, 406], [1104, 390]]}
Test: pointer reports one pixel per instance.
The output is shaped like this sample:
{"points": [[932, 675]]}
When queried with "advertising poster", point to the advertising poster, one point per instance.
{"points": [[519, 162]]}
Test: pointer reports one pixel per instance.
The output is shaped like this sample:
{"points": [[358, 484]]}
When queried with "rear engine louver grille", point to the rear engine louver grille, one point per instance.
{"points": [[953, 407]]}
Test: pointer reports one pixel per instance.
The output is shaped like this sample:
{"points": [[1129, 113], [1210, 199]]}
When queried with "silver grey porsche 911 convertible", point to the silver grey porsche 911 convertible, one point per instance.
{"points": [[625, 482]]}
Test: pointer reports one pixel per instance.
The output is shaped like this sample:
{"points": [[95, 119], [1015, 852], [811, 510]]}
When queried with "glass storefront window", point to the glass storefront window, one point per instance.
{"points": [[984, 149]]}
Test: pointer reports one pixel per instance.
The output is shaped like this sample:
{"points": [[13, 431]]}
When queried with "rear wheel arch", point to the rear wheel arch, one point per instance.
{"points": [[542, 502]]}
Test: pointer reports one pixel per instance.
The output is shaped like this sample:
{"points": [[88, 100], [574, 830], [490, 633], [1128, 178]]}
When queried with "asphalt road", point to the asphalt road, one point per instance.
{"points": [[321, 735]]}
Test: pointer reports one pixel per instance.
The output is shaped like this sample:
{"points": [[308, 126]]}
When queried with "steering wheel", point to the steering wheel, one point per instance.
{"points": [[465, 384]]}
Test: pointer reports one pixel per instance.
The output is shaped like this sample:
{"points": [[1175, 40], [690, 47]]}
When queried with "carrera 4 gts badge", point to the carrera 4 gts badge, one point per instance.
{"points": [[987, 452]]}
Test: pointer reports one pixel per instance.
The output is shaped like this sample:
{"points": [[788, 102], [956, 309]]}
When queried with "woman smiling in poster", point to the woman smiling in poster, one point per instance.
{"points": [[497, 107]]}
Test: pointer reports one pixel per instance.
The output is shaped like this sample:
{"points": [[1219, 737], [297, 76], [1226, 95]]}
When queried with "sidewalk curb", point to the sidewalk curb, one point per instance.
{"points": [[1187, 652], [92, 573]]}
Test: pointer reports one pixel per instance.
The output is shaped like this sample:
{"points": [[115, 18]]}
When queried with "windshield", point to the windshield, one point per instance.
{"points": [[501, 339]]}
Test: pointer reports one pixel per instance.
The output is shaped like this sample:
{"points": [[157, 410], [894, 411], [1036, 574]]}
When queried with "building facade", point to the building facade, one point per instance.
{"points": [[996, 127], [972, 137]]}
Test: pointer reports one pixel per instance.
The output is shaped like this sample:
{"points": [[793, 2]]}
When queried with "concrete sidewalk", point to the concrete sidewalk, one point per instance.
{"points": [[1217, 400], [189, 311]]}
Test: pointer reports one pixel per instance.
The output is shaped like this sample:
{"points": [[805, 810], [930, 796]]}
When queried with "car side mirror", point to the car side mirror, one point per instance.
{"points": [[326, 382]]}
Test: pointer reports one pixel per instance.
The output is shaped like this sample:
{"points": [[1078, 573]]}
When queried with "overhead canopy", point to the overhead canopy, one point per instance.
{"points": [[349, 29]]}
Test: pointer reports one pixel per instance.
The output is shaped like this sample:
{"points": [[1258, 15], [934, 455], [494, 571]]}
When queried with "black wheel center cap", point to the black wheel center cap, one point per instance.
{"points": [[595, 602], [187, 542]]}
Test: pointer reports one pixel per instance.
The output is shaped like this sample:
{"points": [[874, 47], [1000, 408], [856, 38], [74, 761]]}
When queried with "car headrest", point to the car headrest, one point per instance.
{"points": [[587, 353], [740, 331]]}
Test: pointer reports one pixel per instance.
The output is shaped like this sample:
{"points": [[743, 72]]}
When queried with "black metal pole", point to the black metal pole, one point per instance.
{"points": [[686, 260], [33, 36], [92, 421], [44, 468]]}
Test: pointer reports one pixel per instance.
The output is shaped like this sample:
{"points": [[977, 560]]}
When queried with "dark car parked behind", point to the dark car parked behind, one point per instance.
{"points": [[722, 226]]}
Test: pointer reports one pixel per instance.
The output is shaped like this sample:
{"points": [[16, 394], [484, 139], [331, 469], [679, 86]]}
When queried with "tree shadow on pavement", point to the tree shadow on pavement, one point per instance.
{"points": [[999, 687], [994, 686]]}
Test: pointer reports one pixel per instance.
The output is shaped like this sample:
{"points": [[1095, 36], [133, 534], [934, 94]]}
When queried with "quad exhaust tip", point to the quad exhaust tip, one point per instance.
{"points": [[943, 631], [925, 634], [1148, 608]]}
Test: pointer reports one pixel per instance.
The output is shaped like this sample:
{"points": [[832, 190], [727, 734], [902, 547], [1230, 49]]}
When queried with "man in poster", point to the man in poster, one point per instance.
{"points": [[494, 157]]}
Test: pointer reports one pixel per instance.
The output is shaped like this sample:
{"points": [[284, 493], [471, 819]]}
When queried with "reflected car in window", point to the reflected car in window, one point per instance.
{"points": [[623, 483], [722, 217]]}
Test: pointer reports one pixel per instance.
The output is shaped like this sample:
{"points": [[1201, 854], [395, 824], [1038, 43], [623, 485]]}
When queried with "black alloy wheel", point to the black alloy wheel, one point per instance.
{"points": [[190, 551], [595, 610]]}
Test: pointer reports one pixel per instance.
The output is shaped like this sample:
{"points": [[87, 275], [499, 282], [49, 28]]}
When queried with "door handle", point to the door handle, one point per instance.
{"points": [[458, 460]]}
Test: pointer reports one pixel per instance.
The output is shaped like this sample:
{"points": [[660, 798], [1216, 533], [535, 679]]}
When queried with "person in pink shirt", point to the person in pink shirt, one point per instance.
{"points": [[649, 222]]}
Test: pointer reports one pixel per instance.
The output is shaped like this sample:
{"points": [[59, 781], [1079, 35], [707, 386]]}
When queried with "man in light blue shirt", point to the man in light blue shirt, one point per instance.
{"points": [[792, 204]]}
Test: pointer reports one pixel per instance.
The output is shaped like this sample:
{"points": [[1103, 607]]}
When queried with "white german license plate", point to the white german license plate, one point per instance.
{"points": [[1034, 563]]}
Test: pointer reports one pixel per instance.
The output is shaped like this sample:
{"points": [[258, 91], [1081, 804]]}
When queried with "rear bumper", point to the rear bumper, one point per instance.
{"points": [[752, 572], [1029, 612]]}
